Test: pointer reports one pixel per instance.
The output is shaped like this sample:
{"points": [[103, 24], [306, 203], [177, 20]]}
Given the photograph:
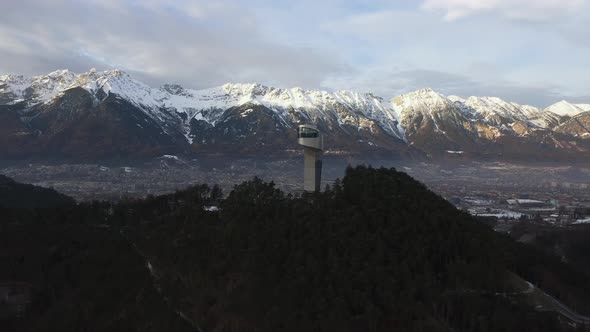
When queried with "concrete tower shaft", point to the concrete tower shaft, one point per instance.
{"points": [[313, 145]]}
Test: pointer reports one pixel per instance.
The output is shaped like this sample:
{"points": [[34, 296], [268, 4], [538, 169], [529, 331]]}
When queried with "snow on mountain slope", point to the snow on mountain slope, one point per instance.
{"points": [[316, 105], [164, 104], [46, 89], [426, 105], [47, 86], [36, 89], [484, 117], [564, 108], [547, 120], [497, 112], [12, 88], [175, 107], [578, 126], [435, 124]]}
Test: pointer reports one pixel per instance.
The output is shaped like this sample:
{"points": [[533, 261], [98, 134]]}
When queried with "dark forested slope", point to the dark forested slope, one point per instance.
{"points": [[375, 252], [18, 195]]}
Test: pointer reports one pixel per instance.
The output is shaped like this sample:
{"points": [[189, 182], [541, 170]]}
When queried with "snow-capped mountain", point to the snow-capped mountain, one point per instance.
{"points": [[37, 89], [431, 121], [112, 111], [206, 105], [495, 110], [467, 121], [563, 108]]}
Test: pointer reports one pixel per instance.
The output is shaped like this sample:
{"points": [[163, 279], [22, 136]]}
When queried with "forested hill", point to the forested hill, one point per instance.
{"points": [[377, 251], [18, 195]]}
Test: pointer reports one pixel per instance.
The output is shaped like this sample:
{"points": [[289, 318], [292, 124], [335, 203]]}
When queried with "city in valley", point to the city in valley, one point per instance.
{"points": [[501, 193]]}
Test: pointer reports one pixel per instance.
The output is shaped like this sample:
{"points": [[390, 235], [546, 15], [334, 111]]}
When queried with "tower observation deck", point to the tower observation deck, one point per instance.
{"points": [[313, 145]]}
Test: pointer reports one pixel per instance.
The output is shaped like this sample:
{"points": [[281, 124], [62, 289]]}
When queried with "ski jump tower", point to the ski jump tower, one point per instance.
{"points": [[313, 145]]}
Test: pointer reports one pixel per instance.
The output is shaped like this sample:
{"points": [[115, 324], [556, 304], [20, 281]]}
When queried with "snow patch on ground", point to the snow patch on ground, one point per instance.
{"points": [[498, 213], [128, 170], [246, 112], [582, 221], [168, 156], [523, 201]]}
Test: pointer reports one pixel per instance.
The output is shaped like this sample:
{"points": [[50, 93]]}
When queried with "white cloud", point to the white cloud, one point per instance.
{"points": [[526, 63], [528, 10], [382, 46], [195, 43], [395, 81]]}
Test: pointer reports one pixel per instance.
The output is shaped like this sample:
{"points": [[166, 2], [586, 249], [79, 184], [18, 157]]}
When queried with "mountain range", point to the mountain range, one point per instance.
{"points": [[110, 114]]}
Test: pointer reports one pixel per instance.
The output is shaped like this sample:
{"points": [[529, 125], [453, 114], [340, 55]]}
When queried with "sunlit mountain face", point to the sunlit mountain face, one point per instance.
{"points": [[111, 114]]}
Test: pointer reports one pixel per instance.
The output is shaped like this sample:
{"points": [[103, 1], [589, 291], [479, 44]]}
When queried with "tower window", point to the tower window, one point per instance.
{"points": [[305, 132]]}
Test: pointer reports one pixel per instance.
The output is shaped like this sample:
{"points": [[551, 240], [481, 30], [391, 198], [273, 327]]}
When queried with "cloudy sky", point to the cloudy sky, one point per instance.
{"points": [[528, 51]]}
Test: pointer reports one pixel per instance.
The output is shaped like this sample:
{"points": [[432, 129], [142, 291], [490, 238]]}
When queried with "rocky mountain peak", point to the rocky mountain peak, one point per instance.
{"points": [[423, 100], [174, 89], [423, 119], [245, 89]]}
